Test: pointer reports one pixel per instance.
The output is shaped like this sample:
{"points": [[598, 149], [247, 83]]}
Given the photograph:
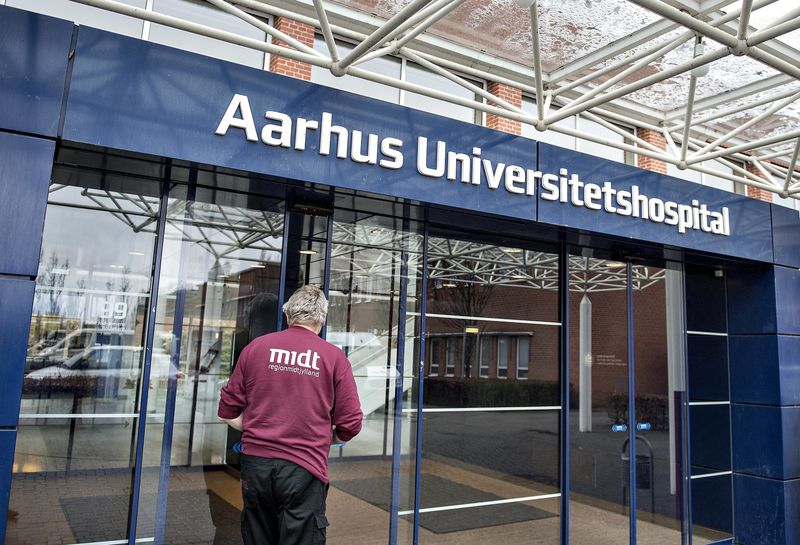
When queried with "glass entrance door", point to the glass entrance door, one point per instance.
{"points": [[627, 441]]}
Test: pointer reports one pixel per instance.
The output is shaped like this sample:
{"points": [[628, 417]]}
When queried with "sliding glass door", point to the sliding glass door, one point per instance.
{"points": [[491, 395]]}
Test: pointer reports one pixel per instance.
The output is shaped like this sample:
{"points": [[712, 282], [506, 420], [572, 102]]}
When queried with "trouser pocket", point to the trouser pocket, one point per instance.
{"points": [[320, 529]]}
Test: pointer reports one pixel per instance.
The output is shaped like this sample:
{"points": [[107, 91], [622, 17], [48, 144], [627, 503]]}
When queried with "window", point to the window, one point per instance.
{"points": [[421, 76], [86, 15], [386, 66], [523, 356], [486, 356], [549, 136], [205, 14], [502, 356], [600, 150], [450, 357], [436, 348], [716, 181]]}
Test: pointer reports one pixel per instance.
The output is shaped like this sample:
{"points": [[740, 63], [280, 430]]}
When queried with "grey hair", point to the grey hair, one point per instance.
{"points": [[306, 306]]}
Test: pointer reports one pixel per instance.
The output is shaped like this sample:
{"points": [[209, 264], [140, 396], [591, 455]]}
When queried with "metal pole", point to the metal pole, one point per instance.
{"points": [[687, 124], [261, 25], [325, 25], [745, 126], [202, 30], [461, 81], [579, 106], [398, 45], [537, 63], [792, 166], [377, 37], [585, 369], [747, 146], [791, 22], [744, 19], [687, 20]]}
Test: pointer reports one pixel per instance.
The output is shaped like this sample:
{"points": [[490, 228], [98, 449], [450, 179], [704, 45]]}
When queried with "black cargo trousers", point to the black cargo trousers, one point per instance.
{"points": [[284, 504]]}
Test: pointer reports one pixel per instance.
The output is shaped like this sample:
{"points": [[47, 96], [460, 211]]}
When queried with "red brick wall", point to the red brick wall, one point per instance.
{"points": [[656, 139], [511, 95], [289, 67], [754, 192]]}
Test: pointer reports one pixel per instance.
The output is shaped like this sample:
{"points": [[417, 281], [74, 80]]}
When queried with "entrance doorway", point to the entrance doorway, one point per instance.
{"points": [[475, 429]]}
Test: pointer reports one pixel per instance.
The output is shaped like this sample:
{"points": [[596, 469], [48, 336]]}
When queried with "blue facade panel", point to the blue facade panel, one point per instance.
{"points": [[33, 69], [708, 368], [7, 440], [16, 299], [751, 300], [710, 432], [786, 236], [765, 369], [705, 290], [750, 233], [760, 512], [787, 291], [25, 166], [764, 441]]}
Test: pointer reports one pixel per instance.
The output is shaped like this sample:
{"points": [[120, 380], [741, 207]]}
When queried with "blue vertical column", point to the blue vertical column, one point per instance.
{"points": [[34, 53], [764, 340], [25, 165]]}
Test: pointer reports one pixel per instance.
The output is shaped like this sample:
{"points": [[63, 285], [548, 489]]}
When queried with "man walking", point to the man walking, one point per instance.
{"points": [[292, 395]]}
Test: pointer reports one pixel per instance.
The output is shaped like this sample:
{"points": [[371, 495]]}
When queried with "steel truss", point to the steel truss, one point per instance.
{"points": [[688, 128]]}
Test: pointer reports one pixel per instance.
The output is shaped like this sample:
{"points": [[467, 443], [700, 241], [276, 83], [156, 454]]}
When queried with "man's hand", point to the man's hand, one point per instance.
{"points": [[335, 441], [236, 423]]}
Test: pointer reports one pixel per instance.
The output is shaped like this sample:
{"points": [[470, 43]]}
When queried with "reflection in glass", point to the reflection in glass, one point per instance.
{"points": [[218, 290], [375, 276], [660, 403], [489, 437], [598, 375], [83, 372]]}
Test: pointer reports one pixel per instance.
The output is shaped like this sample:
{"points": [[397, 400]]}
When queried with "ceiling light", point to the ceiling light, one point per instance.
{"points": [[472, 329], [136, 253], [117, 266], [513, 250], [308, 252], [448, 285], [615, 264], [259, 266], [519, 277], [362, 276], [699, 49]]}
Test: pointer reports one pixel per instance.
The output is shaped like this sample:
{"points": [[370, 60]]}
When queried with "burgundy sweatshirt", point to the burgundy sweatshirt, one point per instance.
{"points": [[292, 386]]}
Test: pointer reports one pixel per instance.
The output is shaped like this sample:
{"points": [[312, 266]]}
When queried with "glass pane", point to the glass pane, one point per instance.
{"points": [[660, 400], [205, 14], [420, 76], [600, 150], [83, 373], [599, 457], [549, 136], [488, 437], [86, 15], [386, 66], [370, 258], [219, 287]]}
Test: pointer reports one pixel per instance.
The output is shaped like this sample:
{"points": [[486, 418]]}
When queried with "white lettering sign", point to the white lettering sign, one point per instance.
{"points": [[436, 160]]}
